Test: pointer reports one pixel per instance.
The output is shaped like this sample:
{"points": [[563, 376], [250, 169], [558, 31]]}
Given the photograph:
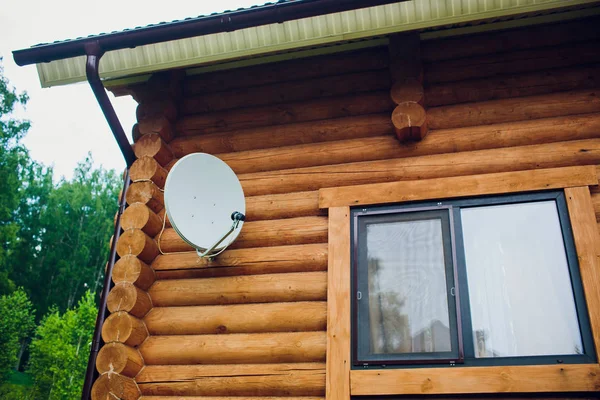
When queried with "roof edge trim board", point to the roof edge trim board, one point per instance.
{"points": [[226, 22]]}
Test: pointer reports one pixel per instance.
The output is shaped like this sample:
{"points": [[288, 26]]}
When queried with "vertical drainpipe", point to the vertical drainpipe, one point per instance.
{"points": [[94, 53]]}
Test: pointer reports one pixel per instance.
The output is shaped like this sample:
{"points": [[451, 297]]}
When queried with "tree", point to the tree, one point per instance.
{"points": [[13, 158], [17, 321], [60, 350]]}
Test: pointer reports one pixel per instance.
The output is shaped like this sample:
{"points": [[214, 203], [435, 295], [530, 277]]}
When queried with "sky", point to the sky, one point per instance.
{"points": [[67, 122]]}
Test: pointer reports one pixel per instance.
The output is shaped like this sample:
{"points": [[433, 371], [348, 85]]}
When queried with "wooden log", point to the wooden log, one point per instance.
{"points": [[517, 109], [512, 62], [405, 57], [130, 298], [159, 125], [408, 89], [596, 202], [300, 379], [240, 348], [234, 397], [269, 288], [302, 258], [152, 145], [494, 42], [111, 386], [162, 214], [517, 85], [139, 216], [281, 232], [147, 168], [147, 193], [299, 69], [157, 109], [579, 152], [137, 243], [124, 328], [131, 269], [311, 110], [285, 92], [410, 121], [120, 358], [284, 135], [238, 318], [287, 205], [539, 131], [135, 133]]}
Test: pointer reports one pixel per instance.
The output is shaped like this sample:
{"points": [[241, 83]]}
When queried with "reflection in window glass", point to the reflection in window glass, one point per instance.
{"points": [[408, 303], [519, 285]]}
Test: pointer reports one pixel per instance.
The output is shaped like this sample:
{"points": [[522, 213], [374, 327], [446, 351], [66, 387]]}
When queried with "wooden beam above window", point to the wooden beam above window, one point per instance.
{"points": [[452, 187]]}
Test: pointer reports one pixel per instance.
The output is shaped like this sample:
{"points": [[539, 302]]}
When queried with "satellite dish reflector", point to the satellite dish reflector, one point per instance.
{"points": [[205, 203]]}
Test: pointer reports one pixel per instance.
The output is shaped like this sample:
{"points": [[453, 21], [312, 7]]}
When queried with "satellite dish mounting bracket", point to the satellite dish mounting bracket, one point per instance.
{"points": [[237, 217]]}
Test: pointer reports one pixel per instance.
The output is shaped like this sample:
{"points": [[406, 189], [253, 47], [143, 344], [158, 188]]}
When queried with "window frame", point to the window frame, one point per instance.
{"points": [[463, 312]]}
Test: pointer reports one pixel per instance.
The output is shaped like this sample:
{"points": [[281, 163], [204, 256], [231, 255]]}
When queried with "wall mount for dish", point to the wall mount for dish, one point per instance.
{"points": [[205, 203]]}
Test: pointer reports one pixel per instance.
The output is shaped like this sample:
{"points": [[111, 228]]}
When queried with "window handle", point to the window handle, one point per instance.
{"points": [[452, 291], [358, 295]]}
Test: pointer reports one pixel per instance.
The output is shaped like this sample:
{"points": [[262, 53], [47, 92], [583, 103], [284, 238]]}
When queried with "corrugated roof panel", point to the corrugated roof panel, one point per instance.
{"points": [[297, 34]]}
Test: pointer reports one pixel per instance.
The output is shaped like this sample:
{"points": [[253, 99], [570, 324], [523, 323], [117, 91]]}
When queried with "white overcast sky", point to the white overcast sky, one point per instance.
{"points": [[66, 120]]}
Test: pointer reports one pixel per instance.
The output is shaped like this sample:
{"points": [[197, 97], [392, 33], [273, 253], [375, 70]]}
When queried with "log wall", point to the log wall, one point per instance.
{"points": [[252, 322]]}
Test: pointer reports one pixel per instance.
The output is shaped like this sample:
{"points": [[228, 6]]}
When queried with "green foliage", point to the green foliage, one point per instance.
{"points": [[16, 323], [60, 350], [13, 159]]}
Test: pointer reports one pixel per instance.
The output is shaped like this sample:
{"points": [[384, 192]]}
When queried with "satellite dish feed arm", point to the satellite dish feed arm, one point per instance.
{"points": [[237, 217]]}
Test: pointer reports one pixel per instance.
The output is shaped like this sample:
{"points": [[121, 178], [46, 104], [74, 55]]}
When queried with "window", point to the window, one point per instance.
{"points": [[477, 281]]}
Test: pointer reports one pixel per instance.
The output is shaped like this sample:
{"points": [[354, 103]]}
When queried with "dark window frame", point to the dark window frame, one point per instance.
{"points": [[463, 313]]}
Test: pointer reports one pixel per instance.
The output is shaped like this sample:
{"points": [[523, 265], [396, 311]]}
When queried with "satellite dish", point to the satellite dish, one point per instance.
{"points": [[205, 203]]}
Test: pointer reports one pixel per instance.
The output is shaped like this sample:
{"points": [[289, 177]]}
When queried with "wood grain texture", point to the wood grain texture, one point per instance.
{"points": [[124, 328], [286, 205], [331, 64], [269, 288], [111, 386], [511, 134], [135, 242], [300, 379], [287, 113], [285, 135], [160, 125], [119, 358], [236, 398], [514, 109], [238, 318], [129, 298], [517, 379], [297, 90], [131, 269], [338, 306], [553, 155], [146, 193], [267, 260], [587, 243], [470, 185], [147, 168], [241, 348], [152, 145], [139, 216], [512, 62], [515, 85], [292, 231], [547, 35]]}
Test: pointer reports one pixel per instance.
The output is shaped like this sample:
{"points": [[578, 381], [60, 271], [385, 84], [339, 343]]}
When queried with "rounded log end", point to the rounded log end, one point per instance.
{"points": [[410, 121], [131, 269], [132, 241], [119, 358], [127, 297], [135, 216], [409, 89], [110, 386], [124, 328], [147, 168]]}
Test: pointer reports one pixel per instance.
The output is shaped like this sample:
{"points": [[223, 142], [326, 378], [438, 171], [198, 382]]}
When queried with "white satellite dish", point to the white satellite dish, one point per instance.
{"points": [[205, 203]]}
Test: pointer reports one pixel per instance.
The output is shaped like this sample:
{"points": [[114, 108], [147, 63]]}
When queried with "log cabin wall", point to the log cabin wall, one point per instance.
{"points": [[253, 322]]}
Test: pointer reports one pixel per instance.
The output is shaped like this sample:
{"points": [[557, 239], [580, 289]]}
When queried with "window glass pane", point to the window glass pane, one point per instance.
{"points": [[520, 290], [408, 301]]}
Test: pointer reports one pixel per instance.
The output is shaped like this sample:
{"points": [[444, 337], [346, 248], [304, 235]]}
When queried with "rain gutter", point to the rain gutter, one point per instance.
{"points": [[271, 13]]}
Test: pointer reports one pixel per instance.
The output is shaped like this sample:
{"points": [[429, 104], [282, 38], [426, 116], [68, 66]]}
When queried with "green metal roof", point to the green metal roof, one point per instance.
{"points": [[291, 39]]}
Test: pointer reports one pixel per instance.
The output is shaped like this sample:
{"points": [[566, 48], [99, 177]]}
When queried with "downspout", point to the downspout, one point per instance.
{"points": [[94, 53]]}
